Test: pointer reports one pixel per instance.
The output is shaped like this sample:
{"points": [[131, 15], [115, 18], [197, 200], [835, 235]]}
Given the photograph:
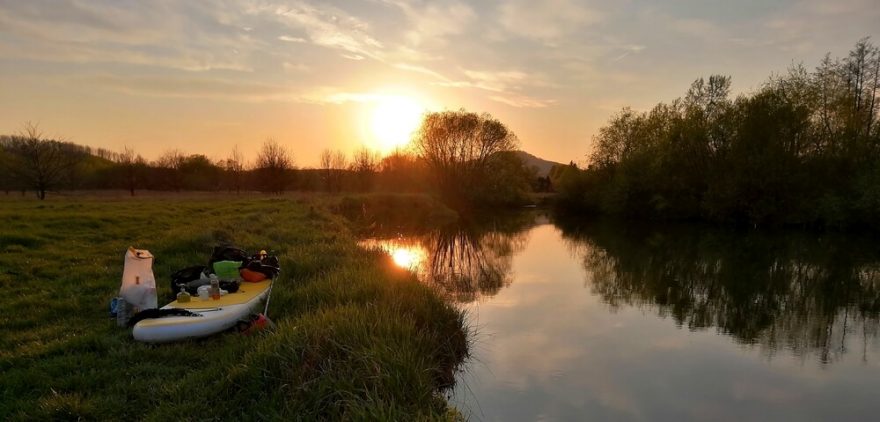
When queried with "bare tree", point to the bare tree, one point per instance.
{"points": [[327, 168], [364, 164], [274, 163], [132, 168], [172, 161], [41, 164], [234, 166], [332, 164]]}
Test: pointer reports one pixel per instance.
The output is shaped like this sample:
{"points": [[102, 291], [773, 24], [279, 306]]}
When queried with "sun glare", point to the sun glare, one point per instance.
{"points": [[404, 255], [393, 121], [406, 258]]}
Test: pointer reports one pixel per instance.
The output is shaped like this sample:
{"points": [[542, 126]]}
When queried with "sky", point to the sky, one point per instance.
{"points": [[204, 77]]}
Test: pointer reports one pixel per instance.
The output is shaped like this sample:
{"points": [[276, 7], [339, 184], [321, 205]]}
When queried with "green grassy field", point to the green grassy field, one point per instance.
{"points": [[355, 337]]}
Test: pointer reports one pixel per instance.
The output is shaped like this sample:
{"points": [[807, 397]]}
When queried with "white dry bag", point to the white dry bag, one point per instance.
{"points": [[138, 283]]}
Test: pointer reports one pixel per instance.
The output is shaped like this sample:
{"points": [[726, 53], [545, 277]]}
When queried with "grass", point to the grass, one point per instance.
{"points": [[355, 337]]}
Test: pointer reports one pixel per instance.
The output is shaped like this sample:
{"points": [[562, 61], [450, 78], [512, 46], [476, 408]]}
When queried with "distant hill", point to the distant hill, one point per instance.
{"points": [[541, 165]]}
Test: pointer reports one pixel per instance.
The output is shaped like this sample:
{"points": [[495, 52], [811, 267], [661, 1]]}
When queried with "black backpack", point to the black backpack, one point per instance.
{"points": [[227, 253], [188, 278], [267, 265]]}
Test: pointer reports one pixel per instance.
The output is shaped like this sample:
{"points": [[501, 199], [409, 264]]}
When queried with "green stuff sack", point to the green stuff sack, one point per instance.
{"points": [[227, 270]]}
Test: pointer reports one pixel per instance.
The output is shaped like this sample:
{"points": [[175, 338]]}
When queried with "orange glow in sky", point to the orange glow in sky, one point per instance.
{"points": [[393, 120], [208, 77]]}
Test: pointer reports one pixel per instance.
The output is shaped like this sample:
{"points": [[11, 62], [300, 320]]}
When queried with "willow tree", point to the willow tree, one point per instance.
{"points": [[458, 148]]}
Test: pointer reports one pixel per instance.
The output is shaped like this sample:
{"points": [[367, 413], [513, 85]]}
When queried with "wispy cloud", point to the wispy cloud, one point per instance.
{"points": [[136, 33], [191, 87], [521, 101], [288, 38], [336, 95], [432, 21], [327, 26], [298, 67], [545, 20]]}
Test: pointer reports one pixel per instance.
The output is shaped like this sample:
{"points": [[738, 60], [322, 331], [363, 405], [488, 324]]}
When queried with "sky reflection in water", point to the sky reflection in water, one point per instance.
{"points": [[617, 322]]}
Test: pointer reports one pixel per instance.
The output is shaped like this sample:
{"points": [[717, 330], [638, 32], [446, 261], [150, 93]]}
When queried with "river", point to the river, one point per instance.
{"points": [[614, 321]]}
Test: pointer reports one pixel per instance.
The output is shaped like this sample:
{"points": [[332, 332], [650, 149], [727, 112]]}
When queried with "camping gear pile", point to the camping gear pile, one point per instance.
{"points": [[209, 299], [231, 266]]}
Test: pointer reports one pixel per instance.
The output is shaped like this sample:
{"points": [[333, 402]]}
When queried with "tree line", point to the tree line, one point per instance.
{"points": [[32, 162], [466, 158], [804, 149]]}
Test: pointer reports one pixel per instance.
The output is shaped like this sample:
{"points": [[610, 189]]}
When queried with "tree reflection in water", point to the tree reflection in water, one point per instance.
{"points": [[465, 262], [815, 295]]}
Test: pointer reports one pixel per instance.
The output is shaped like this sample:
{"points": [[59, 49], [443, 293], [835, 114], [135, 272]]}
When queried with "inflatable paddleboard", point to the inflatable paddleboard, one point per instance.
{"points": [[216, 315]]}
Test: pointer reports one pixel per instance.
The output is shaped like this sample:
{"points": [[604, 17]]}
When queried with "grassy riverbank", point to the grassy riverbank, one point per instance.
{"points": [[355, 337]]}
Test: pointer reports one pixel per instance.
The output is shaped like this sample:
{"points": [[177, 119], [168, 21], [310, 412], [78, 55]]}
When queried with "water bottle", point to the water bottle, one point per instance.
{"points": [[123, 312], [215, 287]]}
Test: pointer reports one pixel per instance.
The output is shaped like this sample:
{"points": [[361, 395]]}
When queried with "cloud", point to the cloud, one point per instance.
{"points": [[191, 87], [522, 101], [506, 86], [334, 95], [423, 70], [545, 20], [287, 38], [298, 67], [326, 26], [432, 21], [627, 50], [134, 33]]}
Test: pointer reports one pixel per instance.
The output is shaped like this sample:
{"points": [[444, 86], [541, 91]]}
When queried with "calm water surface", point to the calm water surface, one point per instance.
{"points": [[606, 321]]}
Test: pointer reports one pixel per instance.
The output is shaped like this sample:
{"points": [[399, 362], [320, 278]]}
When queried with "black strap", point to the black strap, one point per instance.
{"points": [[160, 313]]}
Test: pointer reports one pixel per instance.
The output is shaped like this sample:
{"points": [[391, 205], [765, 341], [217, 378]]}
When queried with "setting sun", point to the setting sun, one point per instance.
{"points": [[394, 118]]}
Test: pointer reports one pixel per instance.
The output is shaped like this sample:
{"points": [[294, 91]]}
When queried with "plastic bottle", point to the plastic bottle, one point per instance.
{"points": [[204, 292], [215, 287], [123, 312]]}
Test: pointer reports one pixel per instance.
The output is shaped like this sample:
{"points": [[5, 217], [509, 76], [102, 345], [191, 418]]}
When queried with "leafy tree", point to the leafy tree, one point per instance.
{"points": [[198, 172], [804, 149], [458, 147]]}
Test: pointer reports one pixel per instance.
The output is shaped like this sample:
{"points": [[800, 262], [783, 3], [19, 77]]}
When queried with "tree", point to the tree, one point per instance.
{"points": [[198, 172], [273, 167], [333, 163], [804, 149], [234, 167], [8, 182], [170, 163], [41, 164], [132, 168], [364, 164], [457, 147], [402, 171]]}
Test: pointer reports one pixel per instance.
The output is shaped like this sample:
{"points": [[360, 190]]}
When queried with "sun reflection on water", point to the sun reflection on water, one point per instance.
{"points": [[406, 255]]}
